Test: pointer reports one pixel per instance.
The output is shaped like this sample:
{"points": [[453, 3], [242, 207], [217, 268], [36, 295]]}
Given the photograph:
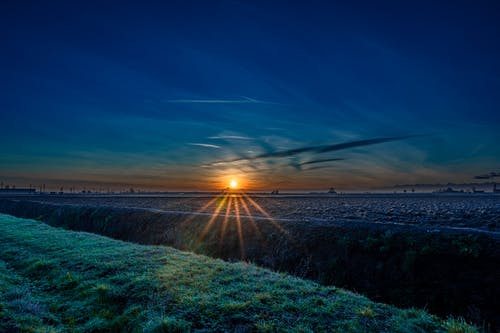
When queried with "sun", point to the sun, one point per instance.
{"points": [[233, 184]]}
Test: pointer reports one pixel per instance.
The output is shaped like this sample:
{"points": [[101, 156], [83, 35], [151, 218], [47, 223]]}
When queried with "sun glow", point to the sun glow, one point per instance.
{"points": [[233, 184]]}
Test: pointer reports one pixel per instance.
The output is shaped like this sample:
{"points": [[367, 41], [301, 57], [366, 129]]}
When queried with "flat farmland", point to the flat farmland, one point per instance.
{"points": [[457, 211], [440, 252]]}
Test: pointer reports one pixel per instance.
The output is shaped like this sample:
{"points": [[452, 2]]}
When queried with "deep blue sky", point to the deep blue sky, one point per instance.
{"points": [[151, 94]]}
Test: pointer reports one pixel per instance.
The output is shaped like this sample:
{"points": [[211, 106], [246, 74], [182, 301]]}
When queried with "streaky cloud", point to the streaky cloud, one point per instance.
{"points": [[320, 149], [242, 100], [318, 167], [205, 145], [322, 161], [230, 137], [299, 165], [360, 143]]}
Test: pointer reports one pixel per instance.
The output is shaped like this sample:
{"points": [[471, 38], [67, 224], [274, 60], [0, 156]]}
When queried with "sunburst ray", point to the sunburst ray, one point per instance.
{"points": [[240, 232], [212, 218], [269, 218], [250, 217], [224, 223]]}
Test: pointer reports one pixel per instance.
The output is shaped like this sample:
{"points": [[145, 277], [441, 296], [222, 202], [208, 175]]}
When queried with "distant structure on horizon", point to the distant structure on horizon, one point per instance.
{"points": [[449, 190], [495, 190], [476, 191], [13, 190]]}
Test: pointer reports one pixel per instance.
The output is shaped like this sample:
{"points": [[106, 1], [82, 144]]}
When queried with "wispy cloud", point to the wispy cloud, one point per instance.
{"points": [[299, 166], [319, 149], [242, 100], [229, 137], [205, 145], [318, 167], [322, 160]]}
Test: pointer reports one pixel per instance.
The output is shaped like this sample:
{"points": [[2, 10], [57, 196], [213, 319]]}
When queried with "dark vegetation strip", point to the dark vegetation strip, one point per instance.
{"points": [[450, 272], [55, 280]]}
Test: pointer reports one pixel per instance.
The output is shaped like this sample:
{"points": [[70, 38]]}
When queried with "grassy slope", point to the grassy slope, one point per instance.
{"points": [[52, 279]]}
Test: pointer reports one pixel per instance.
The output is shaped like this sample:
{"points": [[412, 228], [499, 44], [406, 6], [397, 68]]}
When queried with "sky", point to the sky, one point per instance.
{"points": [[187, 95]]}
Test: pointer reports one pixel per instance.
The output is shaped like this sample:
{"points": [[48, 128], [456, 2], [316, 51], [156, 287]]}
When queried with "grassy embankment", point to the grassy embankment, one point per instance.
{"points": [[57, 280], [447, 272]]}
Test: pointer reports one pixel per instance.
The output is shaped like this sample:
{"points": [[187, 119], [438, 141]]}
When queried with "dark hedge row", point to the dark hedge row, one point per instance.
{"points": [[446, 271]]}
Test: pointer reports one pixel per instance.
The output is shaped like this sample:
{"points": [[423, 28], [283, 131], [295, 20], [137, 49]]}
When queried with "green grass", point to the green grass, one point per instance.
{"points": [[54, 280]]}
